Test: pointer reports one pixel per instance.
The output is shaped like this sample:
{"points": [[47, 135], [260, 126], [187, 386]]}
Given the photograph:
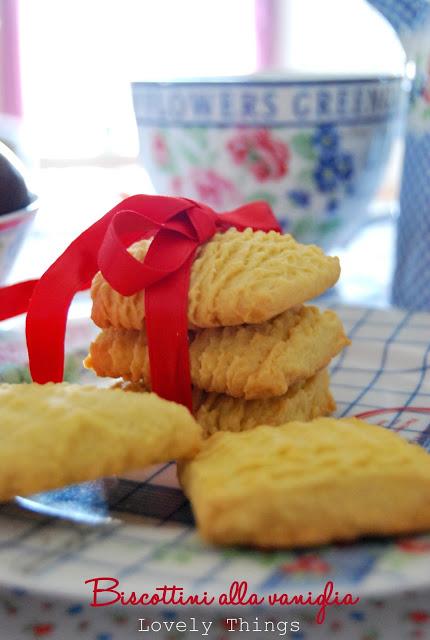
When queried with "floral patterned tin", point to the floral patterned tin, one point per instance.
{"points": [[314, 149]]}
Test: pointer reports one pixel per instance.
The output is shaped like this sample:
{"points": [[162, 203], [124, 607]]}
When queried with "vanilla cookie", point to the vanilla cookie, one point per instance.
{"points": [[303, 401], [237, 278], [53, 435], [307, 484], [250, 361], [263, 360], [217, 412]]}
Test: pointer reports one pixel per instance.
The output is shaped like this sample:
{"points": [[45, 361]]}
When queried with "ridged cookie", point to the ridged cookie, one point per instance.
{"points": [[237, 278], [308, 484], [218, 412], [250, 361], [264, 360], [58, 434], [303, 401]]}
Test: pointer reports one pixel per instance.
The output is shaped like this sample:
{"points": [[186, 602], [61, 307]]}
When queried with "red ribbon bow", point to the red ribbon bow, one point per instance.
{"points": [[178, 227]]}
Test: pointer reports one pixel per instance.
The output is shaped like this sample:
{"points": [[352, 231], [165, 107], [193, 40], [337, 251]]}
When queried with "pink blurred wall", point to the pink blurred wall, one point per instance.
{"points": [[266, 14], [10, 77]]}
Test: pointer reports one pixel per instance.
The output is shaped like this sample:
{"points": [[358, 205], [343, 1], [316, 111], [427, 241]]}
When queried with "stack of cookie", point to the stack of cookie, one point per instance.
{"points": [[258, 354]]}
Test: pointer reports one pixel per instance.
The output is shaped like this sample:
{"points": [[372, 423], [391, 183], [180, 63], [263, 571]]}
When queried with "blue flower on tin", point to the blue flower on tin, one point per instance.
{"points": [[350, 188], [332, 205], [344, 163], [325, 174], [325, 138], [299, 197]]}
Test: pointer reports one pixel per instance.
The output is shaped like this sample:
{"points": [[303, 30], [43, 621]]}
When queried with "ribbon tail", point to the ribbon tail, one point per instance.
{"points": [[166, 310], [14, 299], [46, 321], [49, 305], [46, 329]]}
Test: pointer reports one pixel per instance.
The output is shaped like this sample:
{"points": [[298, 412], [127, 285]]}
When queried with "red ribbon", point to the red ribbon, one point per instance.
{"points": [[178, 227]]}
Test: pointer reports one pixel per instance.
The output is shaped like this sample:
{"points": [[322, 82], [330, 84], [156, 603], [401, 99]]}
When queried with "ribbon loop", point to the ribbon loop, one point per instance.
{"points": [[204, 221]]}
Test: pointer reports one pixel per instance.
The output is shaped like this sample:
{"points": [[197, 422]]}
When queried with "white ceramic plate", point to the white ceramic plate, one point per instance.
{"points": [[140, 528]]}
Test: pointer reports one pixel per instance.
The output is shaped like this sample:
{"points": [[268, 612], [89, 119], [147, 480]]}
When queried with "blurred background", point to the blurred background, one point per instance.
{"points": [[77, 58], [66, 106]]}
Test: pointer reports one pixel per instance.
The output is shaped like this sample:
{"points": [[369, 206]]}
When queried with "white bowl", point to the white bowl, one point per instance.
{"points": [[313, 148], [13, 229]]}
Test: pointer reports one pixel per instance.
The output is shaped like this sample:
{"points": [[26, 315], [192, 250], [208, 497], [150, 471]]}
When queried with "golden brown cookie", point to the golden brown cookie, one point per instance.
{"points": [[307, 484], [58, 434], [250, 361], [264, 360], [303, 401], [237, 278], [218, 412]]}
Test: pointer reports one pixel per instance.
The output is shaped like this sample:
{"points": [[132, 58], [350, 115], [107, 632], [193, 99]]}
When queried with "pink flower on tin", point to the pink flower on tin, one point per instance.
{"points": [[265, 157], [176, 185], [213, 189], [160, 150]]}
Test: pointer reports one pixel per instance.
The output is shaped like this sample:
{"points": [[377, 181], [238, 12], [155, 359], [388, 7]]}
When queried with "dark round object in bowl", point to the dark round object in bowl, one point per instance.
{"points": [[14, 194]]}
